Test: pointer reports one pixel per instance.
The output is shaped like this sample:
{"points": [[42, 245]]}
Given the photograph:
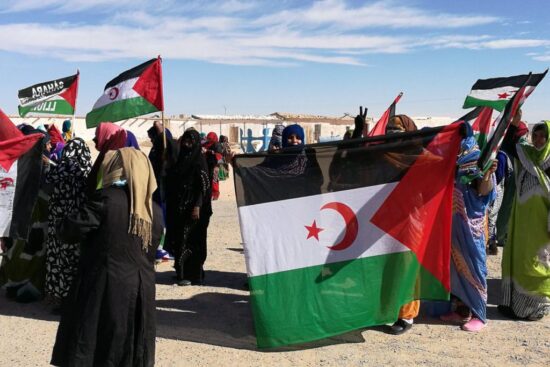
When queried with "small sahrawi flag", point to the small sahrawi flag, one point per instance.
{"points": [[135, 92], [482, 123], [380, 127], [496, 92], [20, 170], [56, 97], [326, 255]]}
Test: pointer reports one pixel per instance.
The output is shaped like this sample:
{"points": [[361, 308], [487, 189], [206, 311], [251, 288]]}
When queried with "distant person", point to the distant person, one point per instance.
{"points": [[67, 130], [109, 318], [212, 150], [187, 188], [226, 152], [157, 155]]}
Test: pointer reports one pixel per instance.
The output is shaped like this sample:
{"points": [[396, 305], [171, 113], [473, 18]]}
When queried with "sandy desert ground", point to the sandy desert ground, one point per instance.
{"points": [[212, 325]]}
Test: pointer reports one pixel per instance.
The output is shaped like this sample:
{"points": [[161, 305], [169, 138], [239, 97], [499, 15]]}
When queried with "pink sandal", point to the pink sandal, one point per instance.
{"points": [[474, 325]]}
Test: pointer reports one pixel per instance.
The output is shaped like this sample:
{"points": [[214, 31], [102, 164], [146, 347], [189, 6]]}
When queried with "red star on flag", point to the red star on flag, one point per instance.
{"points": [[503, 95], [313, 231]]}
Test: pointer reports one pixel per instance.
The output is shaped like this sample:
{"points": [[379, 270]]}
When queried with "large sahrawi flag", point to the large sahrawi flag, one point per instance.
{"points": [[496, 92], [341, 235], [135, 92], [20, 170], [55, 97]]}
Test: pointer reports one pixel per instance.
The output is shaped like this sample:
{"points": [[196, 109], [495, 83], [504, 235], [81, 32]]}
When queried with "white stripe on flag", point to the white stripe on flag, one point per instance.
{"points": [[53, 97], [122, 90], [276, 240], [493, 94], [8, 181]]}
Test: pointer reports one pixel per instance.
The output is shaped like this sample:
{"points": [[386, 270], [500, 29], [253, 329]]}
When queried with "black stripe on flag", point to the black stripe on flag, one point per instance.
{"points": [[129, 74], [42, 90], [327, 167], [513, 81], [29, 171]]}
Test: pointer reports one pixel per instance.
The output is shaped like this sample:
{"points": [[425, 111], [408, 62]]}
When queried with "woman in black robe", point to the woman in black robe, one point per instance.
{"points": [[187, 191], [109, 316]]}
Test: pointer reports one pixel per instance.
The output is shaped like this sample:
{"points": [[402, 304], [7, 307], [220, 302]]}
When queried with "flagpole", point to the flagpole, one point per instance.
{"points": [[73, 122], [163, 130]]}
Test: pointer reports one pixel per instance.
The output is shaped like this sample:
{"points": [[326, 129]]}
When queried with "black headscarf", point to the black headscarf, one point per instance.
{"points": [[190, 157]]}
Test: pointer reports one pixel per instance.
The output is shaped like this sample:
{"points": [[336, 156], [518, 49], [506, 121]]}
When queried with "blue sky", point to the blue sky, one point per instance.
{"points": [[258, 57]]}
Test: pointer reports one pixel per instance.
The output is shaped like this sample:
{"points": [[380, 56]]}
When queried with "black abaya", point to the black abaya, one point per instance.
{"points": [[109, 316]]}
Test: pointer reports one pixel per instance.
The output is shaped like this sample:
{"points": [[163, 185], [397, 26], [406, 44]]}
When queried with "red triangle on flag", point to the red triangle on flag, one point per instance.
{"points": [[70, 93], [482, 122], [419, 215], [149, 85], [12, 149], [8, 130], [380, 127], [12, 142]]}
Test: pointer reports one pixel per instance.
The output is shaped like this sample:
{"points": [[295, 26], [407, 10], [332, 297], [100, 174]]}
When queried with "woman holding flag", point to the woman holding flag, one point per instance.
{"points": [[474, 191]]}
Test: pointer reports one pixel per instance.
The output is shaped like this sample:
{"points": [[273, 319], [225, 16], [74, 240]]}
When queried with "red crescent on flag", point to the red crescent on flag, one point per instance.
{"points": [[352, 225], [113, 93], [5, 182]]}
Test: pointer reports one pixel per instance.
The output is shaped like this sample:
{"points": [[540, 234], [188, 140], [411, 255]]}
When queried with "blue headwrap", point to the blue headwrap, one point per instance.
{"points": [[66, 126], [131, 140], [292, 129]]}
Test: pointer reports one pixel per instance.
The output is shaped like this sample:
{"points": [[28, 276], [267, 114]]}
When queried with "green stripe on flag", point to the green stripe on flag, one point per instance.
{"points": [[119, 110], [312, 303], [481, 140], [475, 102], [52, 107]]}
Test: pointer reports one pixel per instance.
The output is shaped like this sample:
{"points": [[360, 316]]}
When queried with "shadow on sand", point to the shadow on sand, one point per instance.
{"points": [[213, 278], [36, 310], [224, 320]]}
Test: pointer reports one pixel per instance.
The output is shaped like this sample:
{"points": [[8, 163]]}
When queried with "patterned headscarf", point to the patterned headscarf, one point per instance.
{"points": [[71, 173], [76, 152]]}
